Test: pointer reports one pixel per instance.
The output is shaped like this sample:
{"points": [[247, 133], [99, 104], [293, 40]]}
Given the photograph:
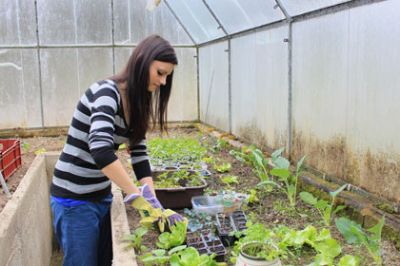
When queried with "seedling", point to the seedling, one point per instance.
{"points": [[222, 168], [136, 238], [325, 209], [282, 172], [369, 238], [230, 179], [26, 147]]}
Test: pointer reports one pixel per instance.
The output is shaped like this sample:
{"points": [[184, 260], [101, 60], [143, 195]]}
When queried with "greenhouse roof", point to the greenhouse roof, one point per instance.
{"points": [[207, 20]]}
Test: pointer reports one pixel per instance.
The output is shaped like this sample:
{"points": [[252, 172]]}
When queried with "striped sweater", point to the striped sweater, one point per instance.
{"points": [[98, 128]]}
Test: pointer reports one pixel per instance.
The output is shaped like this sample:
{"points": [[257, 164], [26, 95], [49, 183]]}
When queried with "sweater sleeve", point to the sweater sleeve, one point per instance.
{"points": [[104, 105], [140, 159]]}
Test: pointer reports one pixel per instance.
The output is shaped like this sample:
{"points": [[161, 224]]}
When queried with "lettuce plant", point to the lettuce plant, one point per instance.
{"points": [[191, 257], [174, 238]]}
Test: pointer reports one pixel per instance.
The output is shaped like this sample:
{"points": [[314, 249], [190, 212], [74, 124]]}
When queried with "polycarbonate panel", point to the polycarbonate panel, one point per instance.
{"points": [[344, 72], [66, 73], [197, 19], [183, 101], [74, 22], [17, 22], [19, 89], [132, 23], [93, 64], [296, 7], [214, 85], [260, 87], [183, 104], [320, 75], [346, 95], [238, 15]]}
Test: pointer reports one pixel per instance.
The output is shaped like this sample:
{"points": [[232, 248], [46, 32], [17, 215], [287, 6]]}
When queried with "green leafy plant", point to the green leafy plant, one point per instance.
{"points": [[286, 240], [349, 260], [287, 181], [179, 178], [221, 144], [262, 250], [191, 257], [253, 196], [325, 209], [25, 147], [230, 179], [135, 239], [222, 168], [160, 256], [175, 150], [198, 220], [155, 257], [174, 238], [255, 158], [327, 248], [369, 238]]}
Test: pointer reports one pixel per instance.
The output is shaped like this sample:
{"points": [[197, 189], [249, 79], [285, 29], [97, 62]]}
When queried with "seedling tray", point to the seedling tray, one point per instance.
{"points": [[227, 224], [10, 156], [206, 244]]}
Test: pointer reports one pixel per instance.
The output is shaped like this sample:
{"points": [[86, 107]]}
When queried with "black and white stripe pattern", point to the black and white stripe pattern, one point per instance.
{"points": [[96, 131]]}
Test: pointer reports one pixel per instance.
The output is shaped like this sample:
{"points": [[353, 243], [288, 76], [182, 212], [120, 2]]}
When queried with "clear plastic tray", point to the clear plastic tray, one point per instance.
{"points": [[207, 204]]}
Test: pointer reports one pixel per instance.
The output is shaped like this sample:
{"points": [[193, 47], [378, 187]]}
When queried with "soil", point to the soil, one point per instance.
{"points": [[29, 148], [272, 209]]}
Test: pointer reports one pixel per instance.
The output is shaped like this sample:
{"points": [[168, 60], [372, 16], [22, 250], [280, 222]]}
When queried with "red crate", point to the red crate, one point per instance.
{"points": [[10, 156]]}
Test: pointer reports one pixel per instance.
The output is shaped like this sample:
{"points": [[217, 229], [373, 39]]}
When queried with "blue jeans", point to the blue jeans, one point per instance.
{"points": [[84, 233]]}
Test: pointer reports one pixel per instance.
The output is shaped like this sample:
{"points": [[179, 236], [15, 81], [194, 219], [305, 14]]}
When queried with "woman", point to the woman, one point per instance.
{"points": [[111, 112]]}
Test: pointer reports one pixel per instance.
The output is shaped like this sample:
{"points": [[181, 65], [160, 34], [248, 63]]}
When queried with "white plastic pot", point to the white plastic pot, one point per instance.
{"points": [[247, 260]]}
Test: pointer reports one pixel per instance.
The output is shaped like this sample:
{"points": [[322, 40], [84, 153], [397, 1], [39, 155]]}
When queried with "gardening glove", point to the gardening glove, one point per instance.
{"points": [[149, 196], [149, 214], [172, 216]]}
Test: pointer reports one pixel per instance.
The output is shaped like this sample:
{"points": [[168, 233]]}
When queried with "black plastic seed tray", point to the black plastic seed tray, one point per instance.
{"points": [[227, 225], [206, 242]]}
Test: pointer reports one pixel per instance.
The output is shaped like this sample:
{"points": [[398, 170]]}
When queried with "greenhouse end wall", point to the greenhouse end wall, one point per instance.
{"points": [[331, 95], [51, 52]]}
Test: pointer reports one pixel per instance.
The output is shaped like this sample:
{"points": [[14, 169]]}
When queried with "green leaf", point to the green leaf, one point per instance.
{"points": [[351, 231], [377, 230], [300, 164], [339, 208], [277, 153], [281, 162], [349, 260], [268, 182], [308, 198], [159, 252], [281, 172], [336, 192], [321, 204], [176, 249]]}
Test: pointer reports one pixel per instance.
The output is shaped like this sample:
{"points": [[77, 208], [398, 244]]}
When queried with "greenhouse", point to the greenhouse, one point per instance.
{"points": [[280, 148]]}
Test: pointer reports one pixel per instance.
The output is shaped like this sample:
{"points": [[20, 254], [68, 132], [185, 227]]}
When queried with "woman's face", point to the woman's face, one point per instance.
{"points": [[158, 74]]}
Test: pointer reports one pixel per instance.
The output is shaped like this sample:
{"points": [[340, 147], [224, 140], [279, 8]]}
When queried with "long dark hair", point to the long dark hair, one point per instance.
{"points": [[142, 104]]}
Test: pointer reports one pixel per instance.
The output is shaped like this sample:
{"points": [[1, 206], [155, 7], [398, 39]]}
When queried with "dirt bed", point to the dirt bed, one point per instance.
{"points": [[272, 209]]}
